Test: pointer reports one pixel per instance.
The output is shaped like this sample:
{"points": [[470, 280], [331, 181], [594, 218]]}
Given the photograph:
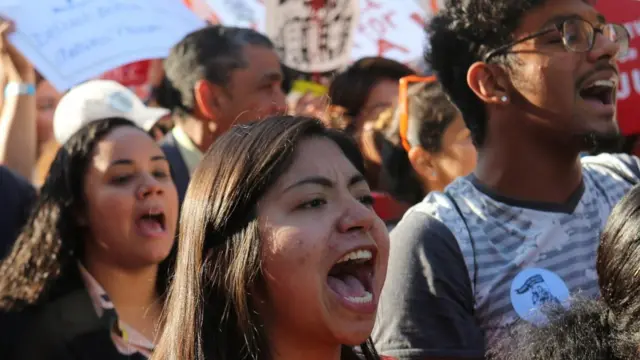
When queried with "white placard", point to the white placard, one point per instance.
{"points": [[313, 36], [391, 29], [241, 13], [71, 41]]}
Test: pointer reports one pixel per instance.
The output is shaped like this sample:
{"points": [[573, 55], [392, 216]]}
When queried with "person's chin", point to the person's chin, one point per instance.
{"points": [[599, 138], [354, 332]]}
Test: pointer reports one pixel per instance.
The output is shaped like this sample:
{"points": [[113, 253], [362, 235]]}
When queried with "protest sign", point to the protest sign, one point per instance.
{"points": [[313, 36], [391, 29], [202, 10], [135, 76], [70, 41], [241, 13], [430, 7], [627, 12]]}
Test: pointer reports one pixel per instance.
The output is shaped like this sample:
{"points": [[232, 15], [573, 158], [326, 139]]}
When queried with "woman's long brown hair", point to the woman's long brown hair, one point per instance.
{"points": [[210, 312]]}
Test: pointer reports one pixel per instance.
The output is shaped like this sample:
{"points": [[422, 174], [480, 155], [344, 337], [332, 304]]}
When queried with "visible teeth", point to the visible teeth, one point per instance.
{"points": [[606, 83], [366, 298], [356, 255]]}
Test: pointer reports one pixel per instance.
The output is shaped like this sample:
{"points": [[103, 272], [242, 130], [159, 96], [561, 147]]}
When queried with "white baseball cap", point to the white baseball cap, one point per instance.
{"points": [[101, 99]]}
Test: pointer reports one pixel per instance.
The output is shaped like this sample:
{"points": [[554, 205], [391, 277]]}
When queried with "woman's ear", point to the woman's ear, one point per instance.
{"points": [[422, 163]]}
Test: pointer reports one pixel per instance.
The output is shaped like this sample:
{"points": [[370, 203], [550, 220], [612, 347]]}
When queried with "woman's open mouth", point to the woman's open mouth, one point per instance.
{"points": [[351, 278], [152, 224]]}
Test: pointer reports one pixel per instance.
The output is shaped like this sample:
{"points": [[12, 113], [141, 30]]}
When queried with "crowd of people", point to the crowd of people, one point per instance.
{"points": [[483, 210]]}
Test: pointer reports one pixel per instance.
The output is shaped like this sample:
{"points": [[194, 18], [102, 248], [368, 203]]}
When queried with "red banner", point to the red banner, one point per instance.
{"points": [[138, 76], [134, 74], [627, 12]]}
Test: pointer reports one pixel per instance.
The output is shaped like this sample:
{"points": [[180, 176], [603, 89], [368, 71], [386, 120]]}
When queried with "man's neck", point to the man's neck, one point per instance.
{"points": [[529, 171], [198, 131]]}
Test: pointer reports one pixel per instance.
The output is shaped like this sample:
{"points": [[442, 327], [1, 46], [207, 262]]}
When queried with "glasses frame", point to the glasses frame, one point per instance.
{"points": [[560, 27], [403, 105]]}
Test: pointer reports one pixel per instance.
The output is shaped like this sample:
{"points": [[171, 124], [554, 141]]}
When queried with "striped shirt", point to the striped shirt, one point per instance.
{"points": [[516, 256]]}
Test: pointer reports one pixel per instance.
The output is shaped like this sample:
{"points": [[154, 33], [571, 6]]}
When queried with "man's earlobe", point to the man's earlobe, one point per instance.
{"points": [[488, 83], [207, 99]]}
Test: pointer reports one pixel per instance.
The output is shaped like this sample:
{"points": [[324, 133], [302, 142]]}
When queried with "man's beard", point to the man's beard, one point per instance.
{"points": [[598, 143]]}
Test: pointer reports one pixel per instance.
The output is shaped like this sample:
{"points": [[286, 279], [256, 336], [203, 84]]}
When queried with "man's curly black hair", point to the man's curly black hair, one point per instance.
{"points": [[461, 34], [585, 331]]}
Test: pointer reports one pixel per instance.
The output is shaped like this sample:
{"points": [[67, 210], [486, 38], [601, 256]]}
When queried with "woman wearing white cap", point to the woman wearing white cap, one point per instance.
{"points": [[101, 99]]}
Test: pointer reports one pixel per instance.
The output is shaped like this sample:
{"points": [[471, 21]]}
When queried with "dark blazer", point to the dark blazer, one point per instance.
{"points": [[179, 169], [65, 328], [17, 196]]}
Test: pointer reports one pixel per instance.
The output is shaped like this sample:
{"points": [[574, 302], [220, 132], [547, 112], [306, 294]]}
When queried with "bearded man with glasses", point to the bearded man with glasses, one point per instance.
{"points": [[536, 82]]}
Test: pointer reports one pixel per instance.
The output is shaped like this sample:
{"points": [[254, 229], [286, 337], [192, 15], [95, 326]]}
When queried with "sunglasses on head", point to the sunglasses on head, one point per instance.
{"points": [[403, 105]]}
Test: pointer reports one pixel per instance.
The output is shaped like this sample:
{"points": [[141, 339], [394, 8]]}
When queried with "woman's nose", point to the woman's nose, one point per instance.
{"points": [[148, 187], [357, 216]]}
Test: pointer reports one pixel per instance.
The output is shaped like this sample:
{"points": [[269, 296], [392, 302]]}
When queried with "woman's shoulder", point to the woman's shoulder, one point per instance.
{"points": [[26, 335], [66, 328]]}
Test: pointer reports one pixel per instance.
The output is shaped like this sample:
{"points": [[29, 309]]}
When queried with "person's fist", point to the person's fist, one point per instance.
{"points": [[15, 66]]}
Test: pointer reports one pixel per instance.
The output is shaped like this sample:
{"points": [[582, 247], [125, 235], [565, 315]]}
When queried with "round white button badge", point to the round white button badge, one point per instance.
{"points": [[534, 288]]}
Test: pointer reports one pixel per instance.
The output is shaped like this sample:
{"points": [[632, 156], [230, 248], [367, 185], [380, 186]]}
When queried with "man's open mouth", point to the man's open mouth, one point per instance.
{"points": [[351, 277], [602, 91]]}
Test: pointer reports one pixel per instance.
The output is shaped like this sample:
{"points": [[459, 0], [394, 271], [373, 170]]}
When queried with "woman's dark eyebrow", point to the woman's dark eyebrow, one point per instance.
{"points": [[324, 182], [130, 162]]}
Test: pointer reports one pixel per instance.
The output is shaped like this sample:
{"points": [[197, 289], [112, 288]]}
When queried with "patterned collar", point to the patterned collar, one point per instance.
{"points": [[127, 340]]}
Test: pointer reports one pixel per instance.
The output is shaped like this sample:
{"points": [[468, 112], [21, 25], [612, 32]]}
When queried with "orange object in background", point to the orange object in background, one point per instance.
{"points": [[627, 12]]}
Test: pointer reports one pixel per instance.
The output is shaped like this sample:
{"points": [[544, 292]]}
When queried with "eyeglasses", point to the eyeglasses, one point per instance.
{"points": [[578, 35], [403, 105]]}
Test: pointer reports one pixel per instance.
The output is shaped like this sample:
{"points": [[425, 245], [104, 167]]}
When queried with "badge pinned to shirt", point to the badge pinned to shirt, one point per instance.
{"points": [[533, 290]]}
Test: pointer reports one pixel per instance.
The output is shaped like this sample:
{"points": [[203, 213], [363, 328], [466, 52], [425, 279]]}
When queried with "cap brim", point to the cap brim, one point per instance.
{"points": [[151, 116]]}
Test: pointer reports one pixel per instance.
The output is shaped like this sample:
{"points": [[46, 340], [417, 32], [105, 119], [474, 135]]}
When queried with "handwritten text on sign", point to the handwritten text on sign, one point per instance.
{"points": [[70, 41], [243, 13], [390, 29]]}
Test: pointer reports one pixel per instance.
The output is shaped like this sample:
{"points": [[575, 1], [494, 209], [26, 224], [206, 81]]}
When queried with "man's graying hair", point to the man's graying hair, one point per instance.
{"points": [[211, 53]]}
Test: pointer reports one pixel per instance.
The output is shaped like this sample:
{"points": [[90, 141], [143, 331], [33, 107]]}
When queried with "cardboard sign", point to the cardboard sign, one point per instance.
{"points": [[627, 12], [393, 29], [70, 41], [313, 36]]}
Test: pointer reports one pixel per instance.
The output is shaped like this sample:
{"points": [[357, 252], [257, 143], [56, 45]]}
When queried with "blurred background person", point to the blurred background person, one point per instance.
{"points": [[362, 92], [18, 117], [427, 145], [216, 77], [18, 196], [280, 254], [87, 277], [47, 98]]}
